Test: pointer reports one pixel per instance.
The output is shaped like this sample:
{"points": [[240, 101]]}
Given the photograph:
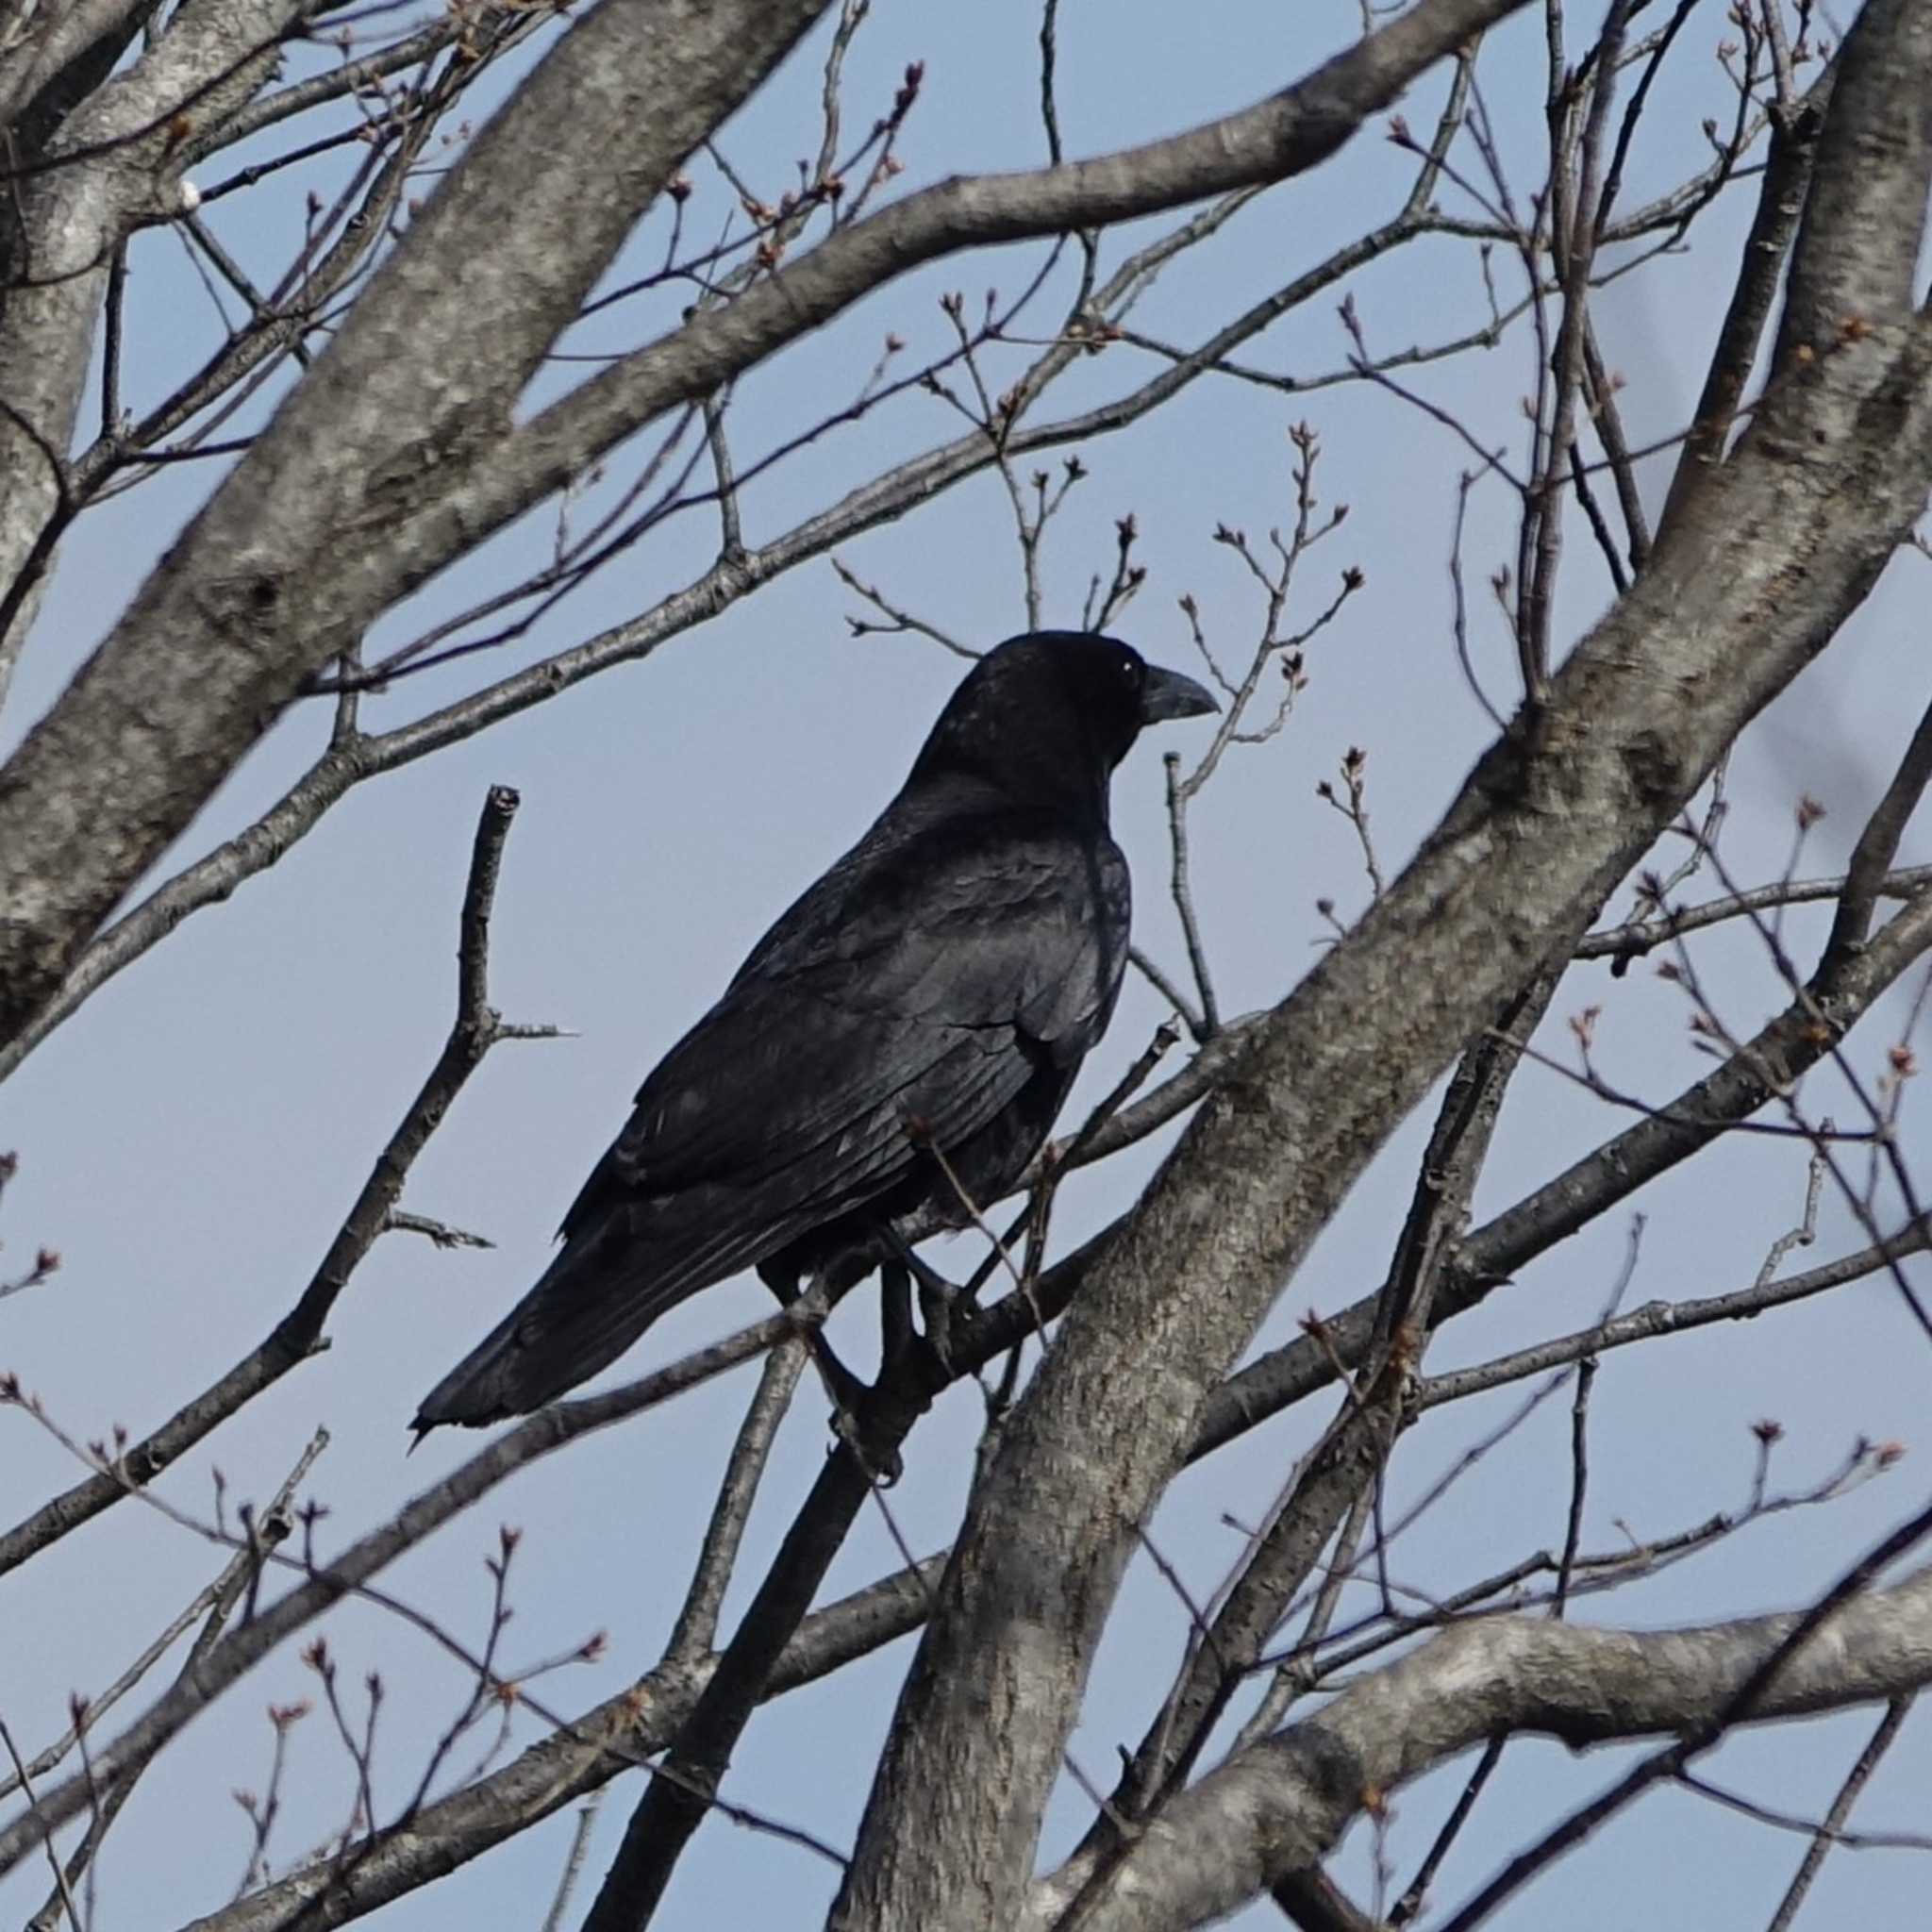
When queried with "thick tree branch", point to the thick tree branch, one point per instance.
{"points": [[1284, 1803], [1356, 1445], [1856, 258], [55, 41], [296, 551], [111, 168], [674, 1806], [345, 765], [1752, 579], [1781, 196], [1842, 991]]}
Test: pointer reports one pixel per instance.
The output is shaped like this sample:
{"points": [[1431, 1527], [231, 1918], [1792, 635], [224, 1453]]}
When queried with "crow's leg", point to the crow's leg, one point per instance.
{"points": [[896, 1316], [938, 1297], [895, 1358]]}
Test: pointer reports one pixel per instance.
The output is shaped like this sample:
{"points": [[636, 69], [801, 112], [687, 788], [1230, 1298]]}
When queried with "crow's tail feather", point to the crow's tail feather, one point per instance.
{"points": [[602, 1291]]}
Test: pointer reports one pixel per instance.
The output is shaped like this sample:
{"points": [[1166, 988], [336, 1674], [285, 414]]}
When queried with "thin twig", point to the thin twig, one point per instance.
{"points": [[574, 1864], [26, 1782], [1830, 1831], [1579, 1465], [1416, 1895], [1184, 904]]}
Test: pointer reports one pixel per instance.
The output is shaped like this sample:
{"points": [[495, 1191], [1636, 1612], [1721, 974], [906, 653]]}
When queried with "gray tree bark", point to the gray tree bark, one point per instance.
{"points": [[111, 166], [1283, 1803], [298, 550]]}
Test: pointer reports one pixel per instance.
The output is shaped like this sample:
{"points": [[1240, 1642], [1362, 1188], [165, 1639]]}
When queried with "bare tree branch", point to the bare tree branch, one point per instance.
{"points": [[357, 759], [1833, 1824], [1781, 197], [1281, 1805], [608, 1738], [1877, 843], [299, 1333], [673, 1806], [492, 271], [110, 169]]}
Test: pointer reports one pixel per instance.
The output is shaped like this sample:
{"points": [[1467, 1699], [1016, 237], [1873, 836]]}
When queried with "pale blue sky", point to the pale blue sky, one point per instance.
{"points": [[191, 1142]]}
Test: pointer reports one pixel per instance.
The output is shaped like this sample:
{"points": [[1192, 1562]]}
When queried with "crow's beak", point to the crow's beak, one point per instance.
{"points": [[1168, 694]]}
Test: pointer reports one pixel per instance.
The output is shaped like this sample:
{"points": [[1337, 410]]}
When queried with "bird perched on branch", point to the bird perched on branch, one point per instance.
{"points": [[899, 1042]]}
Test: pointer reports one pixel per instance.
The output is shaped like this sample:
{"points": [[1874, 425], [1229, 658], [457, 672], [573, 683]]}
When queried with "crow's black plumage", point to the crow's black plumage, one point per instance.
{"points": [[932, 995]]}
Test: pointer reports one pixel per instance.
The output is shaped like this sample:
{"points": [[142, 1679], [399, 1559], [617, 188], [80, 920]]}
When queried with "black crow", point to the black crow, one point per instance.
{"points": [[904, 1036]]}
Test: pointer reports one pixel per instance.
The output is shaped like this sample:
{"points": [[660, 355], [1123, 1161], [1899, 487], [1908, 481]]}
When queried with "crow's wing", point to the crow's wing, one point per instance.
{"points": [[904, 1001], [921, 988]]}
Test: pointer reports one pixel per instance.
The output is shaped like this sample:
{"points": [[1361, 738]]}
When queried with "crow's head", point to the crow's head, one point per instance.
{"points": [[1053, 712]]}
